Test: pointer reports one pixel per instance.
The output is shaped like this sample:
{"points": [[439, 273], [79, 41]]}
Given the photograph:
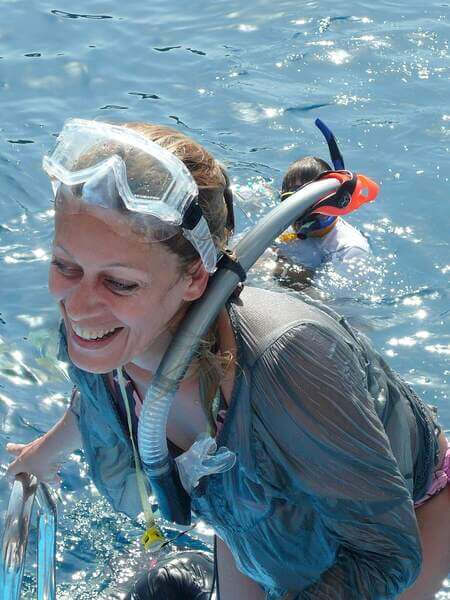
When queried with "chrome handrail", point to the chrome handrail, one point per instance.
{"points": [[15, 538], [46, 544]]}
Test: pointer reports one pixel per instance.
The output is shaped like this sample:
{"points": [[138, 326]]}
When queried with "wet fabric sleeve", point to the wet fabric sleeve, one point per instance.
{"points": [[324, 440], [74, 403], [352, 254]]}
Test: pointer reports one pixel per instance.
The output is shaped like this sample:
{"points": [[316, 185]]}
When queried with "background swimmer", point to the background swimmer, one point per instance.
{"points": [[316, 239], [319, 238]]}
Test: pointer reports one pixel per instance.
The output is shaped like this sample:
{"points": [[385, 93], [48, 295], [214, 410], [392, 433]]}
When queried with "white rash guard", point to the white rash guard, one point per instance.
{"points": [[343, 243]]}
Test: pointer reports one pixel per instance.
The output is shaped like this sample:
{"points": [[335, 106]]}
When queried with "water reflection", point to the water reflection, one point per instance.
{"points": [[247, 81]]}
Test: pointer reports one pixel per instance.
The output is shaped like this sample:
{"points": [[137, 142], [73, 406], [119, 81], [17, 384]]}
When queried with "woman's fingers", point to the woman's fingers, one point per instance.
{"points": [[15, 449], [34, 458], [47, 475], [17, 466]]}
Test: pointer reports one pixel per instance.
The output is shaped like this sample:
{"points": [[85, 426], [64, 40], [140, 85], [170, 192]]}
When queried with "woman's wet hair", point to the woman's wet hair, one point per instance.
{"points": [[211, 178], [303, 171], [215, 200]]}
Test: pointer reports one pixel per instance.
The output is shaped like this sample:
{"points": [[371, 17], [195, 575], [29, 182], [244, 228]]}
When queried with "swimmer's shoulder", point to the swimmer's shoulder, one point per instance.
{"points": [[343, 242], [346, 236]]}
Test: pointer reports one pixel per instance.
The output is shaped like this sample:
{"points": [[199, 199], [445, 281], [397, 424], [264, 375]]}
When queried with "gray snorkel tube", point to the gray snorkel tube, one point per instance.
{"points": [[163, 473]]}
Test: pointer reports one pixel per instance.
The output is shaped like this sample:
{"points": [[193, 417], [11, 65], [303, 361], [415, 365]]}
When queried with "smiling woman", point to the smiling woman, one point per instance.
{"points": [[332, 447], [113, 311]]}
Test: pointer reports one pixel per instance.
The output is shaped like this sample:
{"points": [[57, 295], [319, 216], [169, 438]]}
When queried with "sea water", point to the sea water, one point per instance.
{"points": [[247, 80]]}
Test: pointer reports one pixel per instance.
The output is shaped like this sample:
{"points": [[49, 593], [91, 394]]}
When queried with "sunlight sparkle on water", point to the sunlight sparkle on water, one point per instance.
{"points": [[247, 28], [404, 341], [339, 57], [40, 253], [412, 301], [6, 401], [362, 19], [270, 113], [326, 43], [204, 529], [423, 335], [54, 400], [421, 314], [33, 322], [438, 349]]}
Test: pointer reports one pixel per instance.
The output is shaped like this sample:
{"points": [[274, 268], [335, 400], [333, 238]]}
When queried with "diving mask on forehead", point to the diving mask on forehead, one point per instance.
{"points": [[115, 167]]}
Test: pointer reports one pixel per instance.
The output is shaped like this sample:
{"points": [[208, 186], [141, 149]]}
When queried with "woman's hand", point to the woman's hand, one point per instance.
{"points": [[43, 456], [36, 458]]}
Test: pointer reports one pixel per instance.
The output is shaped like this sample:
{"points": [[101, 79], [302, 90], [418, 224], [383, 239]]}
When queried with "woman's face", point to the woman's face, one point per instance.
{"points": [[116, 293]]}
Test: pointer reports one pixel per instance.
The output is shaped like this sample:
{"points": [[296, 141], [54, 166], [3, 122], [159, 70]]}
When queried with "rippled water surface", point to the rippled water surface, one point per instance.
{"points": [[247, 80]]}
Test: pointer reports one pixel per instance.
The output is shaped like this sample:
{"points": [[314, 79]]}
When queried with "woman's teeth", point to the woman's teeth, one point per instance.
{"points": [[91, 334]]}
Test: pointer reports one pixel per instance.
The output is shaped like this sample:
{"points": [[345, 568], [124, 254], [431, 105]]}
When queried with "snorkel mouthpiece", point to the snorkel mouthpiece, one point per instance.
{"points": [[160, 468]]}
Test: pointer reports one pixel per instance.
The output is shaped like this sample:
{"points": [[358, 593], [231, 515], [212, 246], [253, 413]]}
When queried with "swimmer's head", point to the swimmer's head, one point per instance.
{"points": [[299, 173], [303, 171]]}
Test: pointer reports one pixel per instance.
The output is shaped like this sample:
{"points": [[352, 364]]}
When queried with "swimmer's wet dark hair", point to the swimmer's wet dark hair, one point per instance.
{"points": [[303, 171]]}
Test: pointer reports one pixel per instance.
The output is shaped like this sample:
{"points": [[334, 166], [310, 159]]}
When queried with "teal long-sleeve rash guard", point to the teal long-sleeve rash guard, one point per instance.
{"points": [[332, 448]]}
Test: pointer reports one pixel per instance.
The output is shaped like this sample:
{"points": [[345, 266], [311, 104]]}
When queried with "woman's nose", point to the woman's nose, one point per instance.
{"points": [[83, 301]]}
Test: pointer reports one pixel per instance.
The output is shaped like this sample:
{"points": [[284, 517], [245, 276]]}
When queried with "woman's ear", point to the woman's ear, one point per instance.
{"points": [[197, 279]]}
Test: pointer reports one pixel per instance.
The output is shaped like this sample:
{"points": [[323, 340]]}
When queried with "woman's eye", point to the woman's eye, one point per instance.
{"points": [[121, 286], [115, 285], [66, 270]]}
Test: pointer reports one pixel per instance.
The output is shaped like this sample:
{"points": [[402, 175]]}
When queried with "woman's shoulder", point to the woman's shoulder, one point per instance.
{"points": [[261, 317]]}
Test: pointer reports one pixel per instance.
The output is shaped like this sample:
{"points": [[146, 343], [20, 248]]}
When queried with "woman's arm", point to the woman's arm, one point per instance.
{"points": [[232, 583], [43, 456]]}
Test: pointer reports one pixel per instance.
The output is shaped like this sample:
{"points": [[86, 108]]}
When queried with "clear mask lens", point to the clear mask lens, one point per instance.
{"points": [[114, 167]]}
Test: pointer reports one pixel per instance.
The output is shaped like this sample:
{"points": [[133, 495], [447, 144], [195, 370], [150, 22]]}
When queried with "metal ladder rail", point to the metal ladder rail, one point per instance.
{"points": [[47, 523], [15, 539]]}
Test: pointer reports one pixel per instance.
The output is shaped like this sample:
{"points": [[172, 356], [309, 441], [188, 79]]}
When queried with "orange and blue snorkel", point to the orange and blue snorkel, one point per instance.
{"points": [[354, 191]]}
